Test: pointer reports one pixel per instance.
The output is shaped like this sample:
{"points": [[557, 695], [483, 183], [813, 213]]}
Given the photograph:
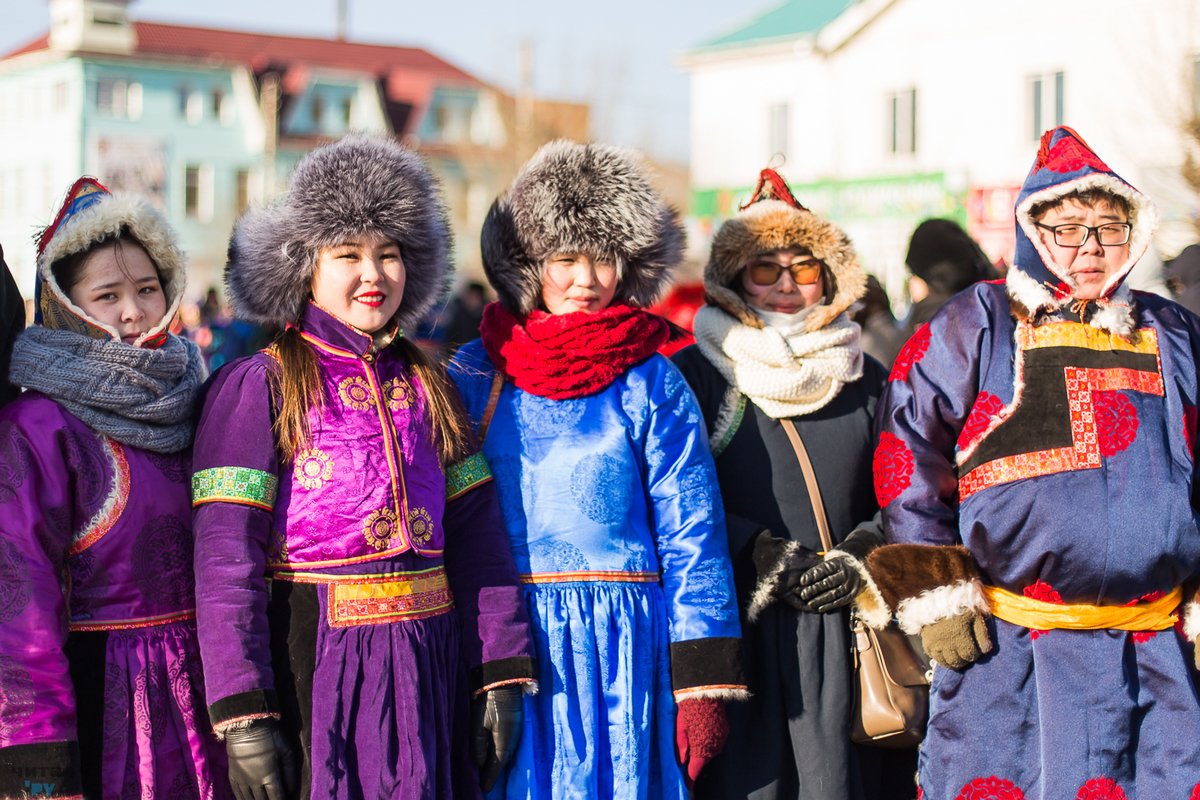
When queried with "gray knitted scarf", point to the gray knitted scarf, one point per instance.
{"points": [[142, 398]]}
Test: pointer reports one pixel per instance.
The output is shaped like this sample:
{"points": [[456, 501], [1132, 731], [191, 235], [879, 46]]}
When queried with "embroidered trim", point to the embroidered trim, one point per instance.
{"points": [[252, 487], [114, 504], [728, 420], [1085, 452], [718, 691], [530, 685], [313, 468], [132, 624], [394, 598], [356, 393], [325, 577], [1073, 334], [465, 475], [614, 576]]}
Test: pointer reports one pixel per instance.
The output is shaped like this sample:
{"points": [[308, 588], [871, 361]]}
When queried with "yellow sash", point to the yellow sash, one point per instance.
{"points": [[1157, 615]]}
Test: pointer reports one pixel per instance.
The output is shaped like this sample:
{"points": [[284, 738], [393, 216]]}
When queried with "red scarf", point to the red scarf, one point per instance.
{"points": [[570, 355]]}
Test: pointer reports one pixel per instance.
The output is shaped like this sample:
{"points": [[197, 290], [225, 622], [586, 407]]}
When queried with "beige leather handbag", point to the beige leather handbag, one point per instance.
{"points": [[891, 674]]}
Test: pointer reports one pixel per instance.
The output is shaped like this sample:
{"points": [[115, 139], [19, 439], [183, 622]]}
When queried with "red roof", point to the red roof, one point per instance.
{"points": [[260, 50]]}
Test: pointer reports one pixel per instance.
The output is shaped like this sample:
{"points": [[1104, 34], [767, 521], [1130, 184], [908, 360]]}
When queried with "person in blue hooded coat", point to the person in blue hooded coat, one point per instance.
{"points": [[606, 484], [1036, 470]]}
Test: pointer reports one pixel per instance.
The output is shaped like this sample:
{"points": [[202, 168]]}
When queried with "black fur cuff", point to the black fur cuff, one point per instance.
{"points": [[256, 704], [49, 769], [518, 669], [707, 666]]}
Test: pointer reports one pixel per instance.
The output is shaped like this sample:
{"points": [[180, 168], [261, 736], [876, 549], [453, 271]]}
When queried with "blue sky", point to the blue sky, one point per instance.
{"points": [[616, 54]]}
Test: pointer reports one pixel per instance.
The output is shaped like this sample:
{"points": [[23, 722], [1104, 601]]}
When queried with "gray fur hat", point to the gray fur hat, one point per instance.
{"points": [[586, 198], [355, 186]]}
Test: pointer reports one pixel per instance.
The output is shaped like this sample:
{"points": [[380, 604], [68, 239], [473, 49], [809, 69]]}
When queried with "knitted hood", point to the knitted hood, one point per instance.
{"points": [[356, 186], [90, 214], [773, 220], [1038, 286], [587, 198]]}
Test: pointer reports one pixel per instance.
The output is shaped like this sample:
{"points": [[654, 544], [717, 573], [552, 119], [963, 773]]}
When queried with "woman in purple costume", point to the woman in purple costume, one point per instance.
{"points": [[355, 582], [101, 693]]}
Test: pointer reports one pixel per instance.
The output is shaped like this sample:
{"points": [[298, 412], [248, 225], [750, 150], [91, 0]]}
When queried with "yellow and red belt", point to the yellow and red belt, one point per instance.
{"points": [[1153, 615], [380, 599]]}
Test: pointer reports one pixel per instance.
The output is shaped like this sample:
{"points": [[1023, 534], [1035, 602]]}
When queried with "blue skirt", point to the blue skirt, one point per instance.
{"points": [[603, 722]]}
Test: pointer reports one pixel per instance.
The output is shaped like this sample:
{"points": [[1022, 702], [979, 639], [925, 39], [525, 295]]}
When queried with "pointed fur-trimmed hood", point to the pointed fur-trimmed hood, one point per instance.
{"points": [[774, 220], [586, 198], [1037, 286], [355, 186], [91, 214]]}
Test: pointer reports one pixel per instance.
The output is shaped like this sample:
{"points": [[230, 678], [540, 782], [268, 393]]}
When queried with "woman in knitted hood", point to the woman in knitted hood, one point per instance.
{"points": [[336, 467], [775, 347], [101, 692], [606, 483]]}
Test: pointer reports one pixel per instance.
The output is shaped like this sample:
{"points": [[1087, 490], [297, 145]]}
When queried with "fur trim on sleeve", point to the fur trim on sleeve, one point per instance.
{"points": [[926, 583], [941, 603], [768, 585], [869, 602], [1191, 619]]}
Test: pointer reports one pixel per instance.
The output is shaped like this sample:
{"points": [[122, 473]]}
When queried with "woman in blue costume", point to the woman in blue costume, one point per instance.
{"points": [[606, 484], [1036, 470]]}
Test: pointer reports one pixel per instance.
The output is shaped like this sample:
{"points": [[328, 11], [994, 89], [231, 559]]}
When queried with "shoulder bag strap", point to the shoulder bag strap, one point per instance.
{"points": [[490, 409], [810, 480]]}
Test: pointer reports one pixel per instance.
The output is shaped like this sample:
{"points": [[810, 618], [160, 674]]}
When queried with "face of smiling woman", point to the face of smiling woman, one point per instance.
{"points": [[360, 281], [577, 282]]}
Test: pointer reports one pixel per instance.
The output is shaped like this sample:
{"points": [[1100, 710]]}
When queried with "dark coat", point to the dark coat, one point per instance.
{"points": [[12, 322], [793, 738]]}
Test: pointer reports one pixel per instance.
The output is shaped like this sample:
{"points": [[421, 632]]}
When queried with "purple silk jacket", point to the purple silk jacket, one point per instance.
{"points": [[97, 633], [368, 497]]}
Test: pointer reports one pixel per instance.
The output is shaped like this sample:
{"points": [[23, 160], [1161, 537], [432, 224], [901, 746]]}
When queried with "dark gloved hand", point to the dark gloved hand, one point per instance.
{"points": [[957, 641], [778, 563], [499, 716], [262, 765], [828, 586], [701, 729]]}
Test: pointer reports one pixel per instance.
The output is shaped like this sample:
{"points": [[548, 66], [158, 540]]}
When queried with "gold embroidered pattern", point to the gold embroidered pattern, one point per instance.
{"points": [[356, 393], [398, 393], [1075, 334], [277, 550], [420, 526], [380, 527], [313, 468], [389, 598], [465, 475]]}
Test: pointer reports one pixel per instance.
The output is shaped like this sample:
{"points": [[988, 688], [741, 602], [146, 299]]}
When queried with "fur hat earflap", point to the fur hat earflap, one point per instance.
{"points": [[357, 186], [583, 198], [89, 215], [773, 220]]}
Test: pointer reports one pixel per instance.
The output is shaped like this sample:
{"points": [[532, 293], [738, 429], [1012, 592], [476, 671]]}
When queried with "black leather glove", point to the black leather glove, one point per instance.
{"points": [[262, 765], [779, 563], [828, 586], [499, 718]]}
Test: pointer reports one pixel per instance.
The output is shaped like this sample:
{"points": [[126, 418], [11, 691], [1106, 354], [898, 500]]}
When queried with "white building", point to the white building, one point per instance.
{"points": [[883, 112]]}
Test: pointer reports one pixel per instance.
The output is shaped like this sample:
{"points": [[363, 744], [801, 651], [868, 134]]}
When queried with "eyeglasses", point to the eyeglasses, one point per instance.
{"points": [[1073, 235], [768, 273]]}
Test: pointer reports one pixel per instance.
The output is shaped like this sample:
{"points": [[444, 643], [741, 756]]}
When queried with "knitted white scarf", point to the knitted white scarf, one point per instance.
{"points": [[786, 374]]}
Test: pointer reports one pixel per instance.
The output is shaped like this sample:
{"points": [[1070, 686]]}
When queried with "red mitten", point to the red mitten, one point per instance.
{"points": [[701, 729]]}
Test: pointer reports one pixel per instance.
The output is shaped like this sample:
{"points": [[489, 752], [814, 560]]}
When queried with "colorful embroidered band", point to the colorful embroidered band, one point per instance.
{"points": [[378, 600], [1156, 615], [614, 576], [130, 624], [251, 487], [731, 429], [466, 475]]}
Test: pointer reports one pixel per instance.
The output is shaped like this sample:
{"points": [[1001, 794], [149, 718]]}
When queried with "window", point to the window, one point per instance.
{"points": [[222, 108], [197, 193], [242, 189], [1047, 98], [777, 130], [348, 111], [318, 110], [119, 98], [902, 122], [193, 107]]}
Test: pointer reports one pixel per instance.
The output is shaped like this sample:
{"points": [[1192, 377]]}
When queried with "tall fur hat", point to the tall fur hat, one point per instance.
{"points": [[586, 198], [92, 214], [358, 185], [772, 220]]}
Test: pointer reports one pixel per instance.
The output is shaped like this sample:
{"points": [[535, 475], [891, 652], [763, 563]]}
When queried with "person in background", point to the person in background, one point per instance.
{"points": [[1036, 469], [355, 589], [943, 260], [882, 336], [1183, 277], [606, 483], [101, 689], [462, 316]]}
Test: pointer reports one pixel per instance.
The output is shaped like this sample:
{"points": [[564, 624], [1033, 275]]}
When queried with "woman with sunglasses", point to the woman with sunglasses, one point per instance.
{"points": [[776, 346]]}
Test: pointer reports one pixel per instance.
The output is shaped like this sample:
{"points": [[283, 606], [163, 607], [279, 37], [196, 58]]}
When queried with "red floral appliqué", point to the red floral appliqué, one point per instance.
{"points": [[1069, 155], [1189, 429], [1100, 789], [1116, 422], [1148, 597], [986, 408], [992, 788], [893, 468], [1195, 795], [1040, 590], [912, 352]]}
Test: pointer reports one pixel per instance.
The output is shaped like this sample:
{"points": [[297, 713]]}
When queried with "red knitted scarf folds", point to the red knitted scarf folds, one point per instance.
{"points": [[570, 355]]}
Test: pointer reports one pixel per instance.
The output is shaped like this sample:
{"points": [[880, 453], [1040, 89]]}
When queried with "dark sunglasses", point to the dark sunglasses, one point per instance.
{"points": [[768, 273]]}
